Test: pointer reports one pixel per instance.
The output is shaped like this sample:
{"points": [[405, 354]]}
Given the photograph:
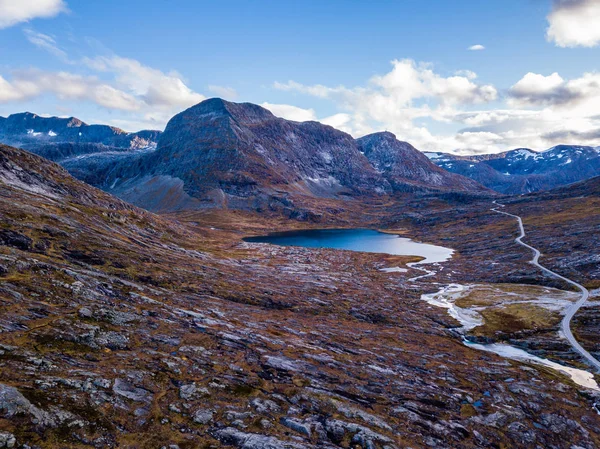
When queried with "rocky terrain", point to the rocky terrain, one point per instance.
{"points": [[124, 328], [522, 170]]}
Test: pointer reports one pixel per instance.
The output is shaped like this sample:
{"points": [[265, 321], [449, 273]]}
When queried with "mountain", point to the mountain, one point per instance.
{"points": [[582, 189], [408, 169], [122, 328], [523, 170], [240, 156], [241, 153], [58, 138]]}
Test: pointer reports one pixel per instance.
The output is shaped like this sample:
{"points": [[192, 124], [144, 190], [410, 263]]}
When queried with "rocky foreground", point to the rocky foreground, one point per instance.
{"points": [[120, 328]]}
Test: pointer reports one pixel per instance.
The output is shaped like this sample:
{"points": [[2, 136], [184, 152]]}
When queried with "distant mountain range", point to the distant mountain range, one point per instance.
{"points": [[523, 170], [28, 130], [240, 156]]}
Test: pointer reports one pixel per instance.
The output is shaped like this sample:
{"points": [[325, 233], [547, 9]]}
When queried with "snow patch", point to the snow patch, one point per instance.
{"points": [[327, 157], [394, 270]]}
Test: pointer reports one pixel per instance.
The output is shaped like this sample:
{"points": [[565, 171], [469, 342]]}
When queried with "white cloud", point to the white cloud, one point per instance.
{"points": [[27, 84], [405, 83], [534, 88], [548, 110], [409, 81], [8, 92], [574, 23], [154, 95], [290, 112], [340, 121], [154, 87], [17, 11], [476, 47], [469, 74], [553, 90], [46, 43], [227, 93]]}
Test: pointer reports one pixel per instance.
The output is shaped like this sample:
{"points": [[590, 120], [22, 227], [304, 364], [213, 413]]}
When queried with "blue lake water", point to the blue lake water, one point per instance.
{"points": [[365, 240]]}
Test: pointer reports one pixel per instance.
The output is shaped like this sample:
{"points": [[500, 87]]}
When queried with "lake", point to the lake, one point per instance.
{"points": [[364, 240]]}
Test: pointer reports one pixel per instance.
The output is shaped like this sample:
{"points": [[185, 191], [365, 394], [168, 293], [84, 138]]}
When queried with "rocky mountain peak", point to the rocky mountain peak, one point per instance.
{"points": [[523, 170], [242, 113], [382, 135]]}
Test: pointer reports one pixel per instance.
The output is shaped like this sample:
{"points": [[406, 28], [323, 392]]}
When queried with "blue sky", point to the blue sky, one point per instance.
{"points": [[361, 66]]}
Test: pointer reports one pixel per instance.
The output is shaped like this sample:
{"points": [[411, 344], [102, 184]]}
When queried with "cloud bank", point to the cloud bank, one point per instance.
{"points": [[415, 102]]}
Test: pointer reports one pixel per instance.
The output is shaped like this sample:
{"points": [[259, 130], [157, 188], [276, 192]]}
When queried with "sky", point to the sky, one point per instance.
{"points": [[460, 76]]}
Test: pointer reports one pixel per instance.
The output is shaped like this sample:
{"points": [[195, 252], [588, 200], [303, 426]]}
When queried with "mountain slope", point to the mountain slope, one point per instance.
{"points": [[228, 155], [408, 169], [523, 170]]}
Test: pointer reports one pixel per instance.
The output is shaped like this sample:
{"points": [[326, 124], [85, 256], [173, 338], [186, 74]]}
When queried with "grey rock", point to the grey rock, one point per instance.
{"points": [[497, 419], [244, 440], [84, 312], [297, 426], [7, 440], [352, 412], [264, 406], [338, 429], [188, 392], [13, 403], [129, 391], [203, 416]]}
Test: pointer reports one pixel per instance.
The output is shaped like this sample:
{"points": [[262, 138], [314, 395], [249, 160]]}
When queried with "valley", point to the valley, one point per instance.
{"points": [[299, 225], [247, 281]]}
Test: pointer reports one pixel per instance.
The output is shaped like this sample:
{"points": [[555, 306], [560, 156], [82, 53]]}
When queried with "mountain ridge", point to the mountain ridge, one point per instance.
{"points": [[30, 131], [523, 170]]}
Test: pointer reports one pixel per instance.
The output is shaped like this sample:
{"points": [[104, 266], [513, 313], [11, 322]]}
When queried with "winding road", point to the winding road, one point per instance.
{"points": [[565, 324]]}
